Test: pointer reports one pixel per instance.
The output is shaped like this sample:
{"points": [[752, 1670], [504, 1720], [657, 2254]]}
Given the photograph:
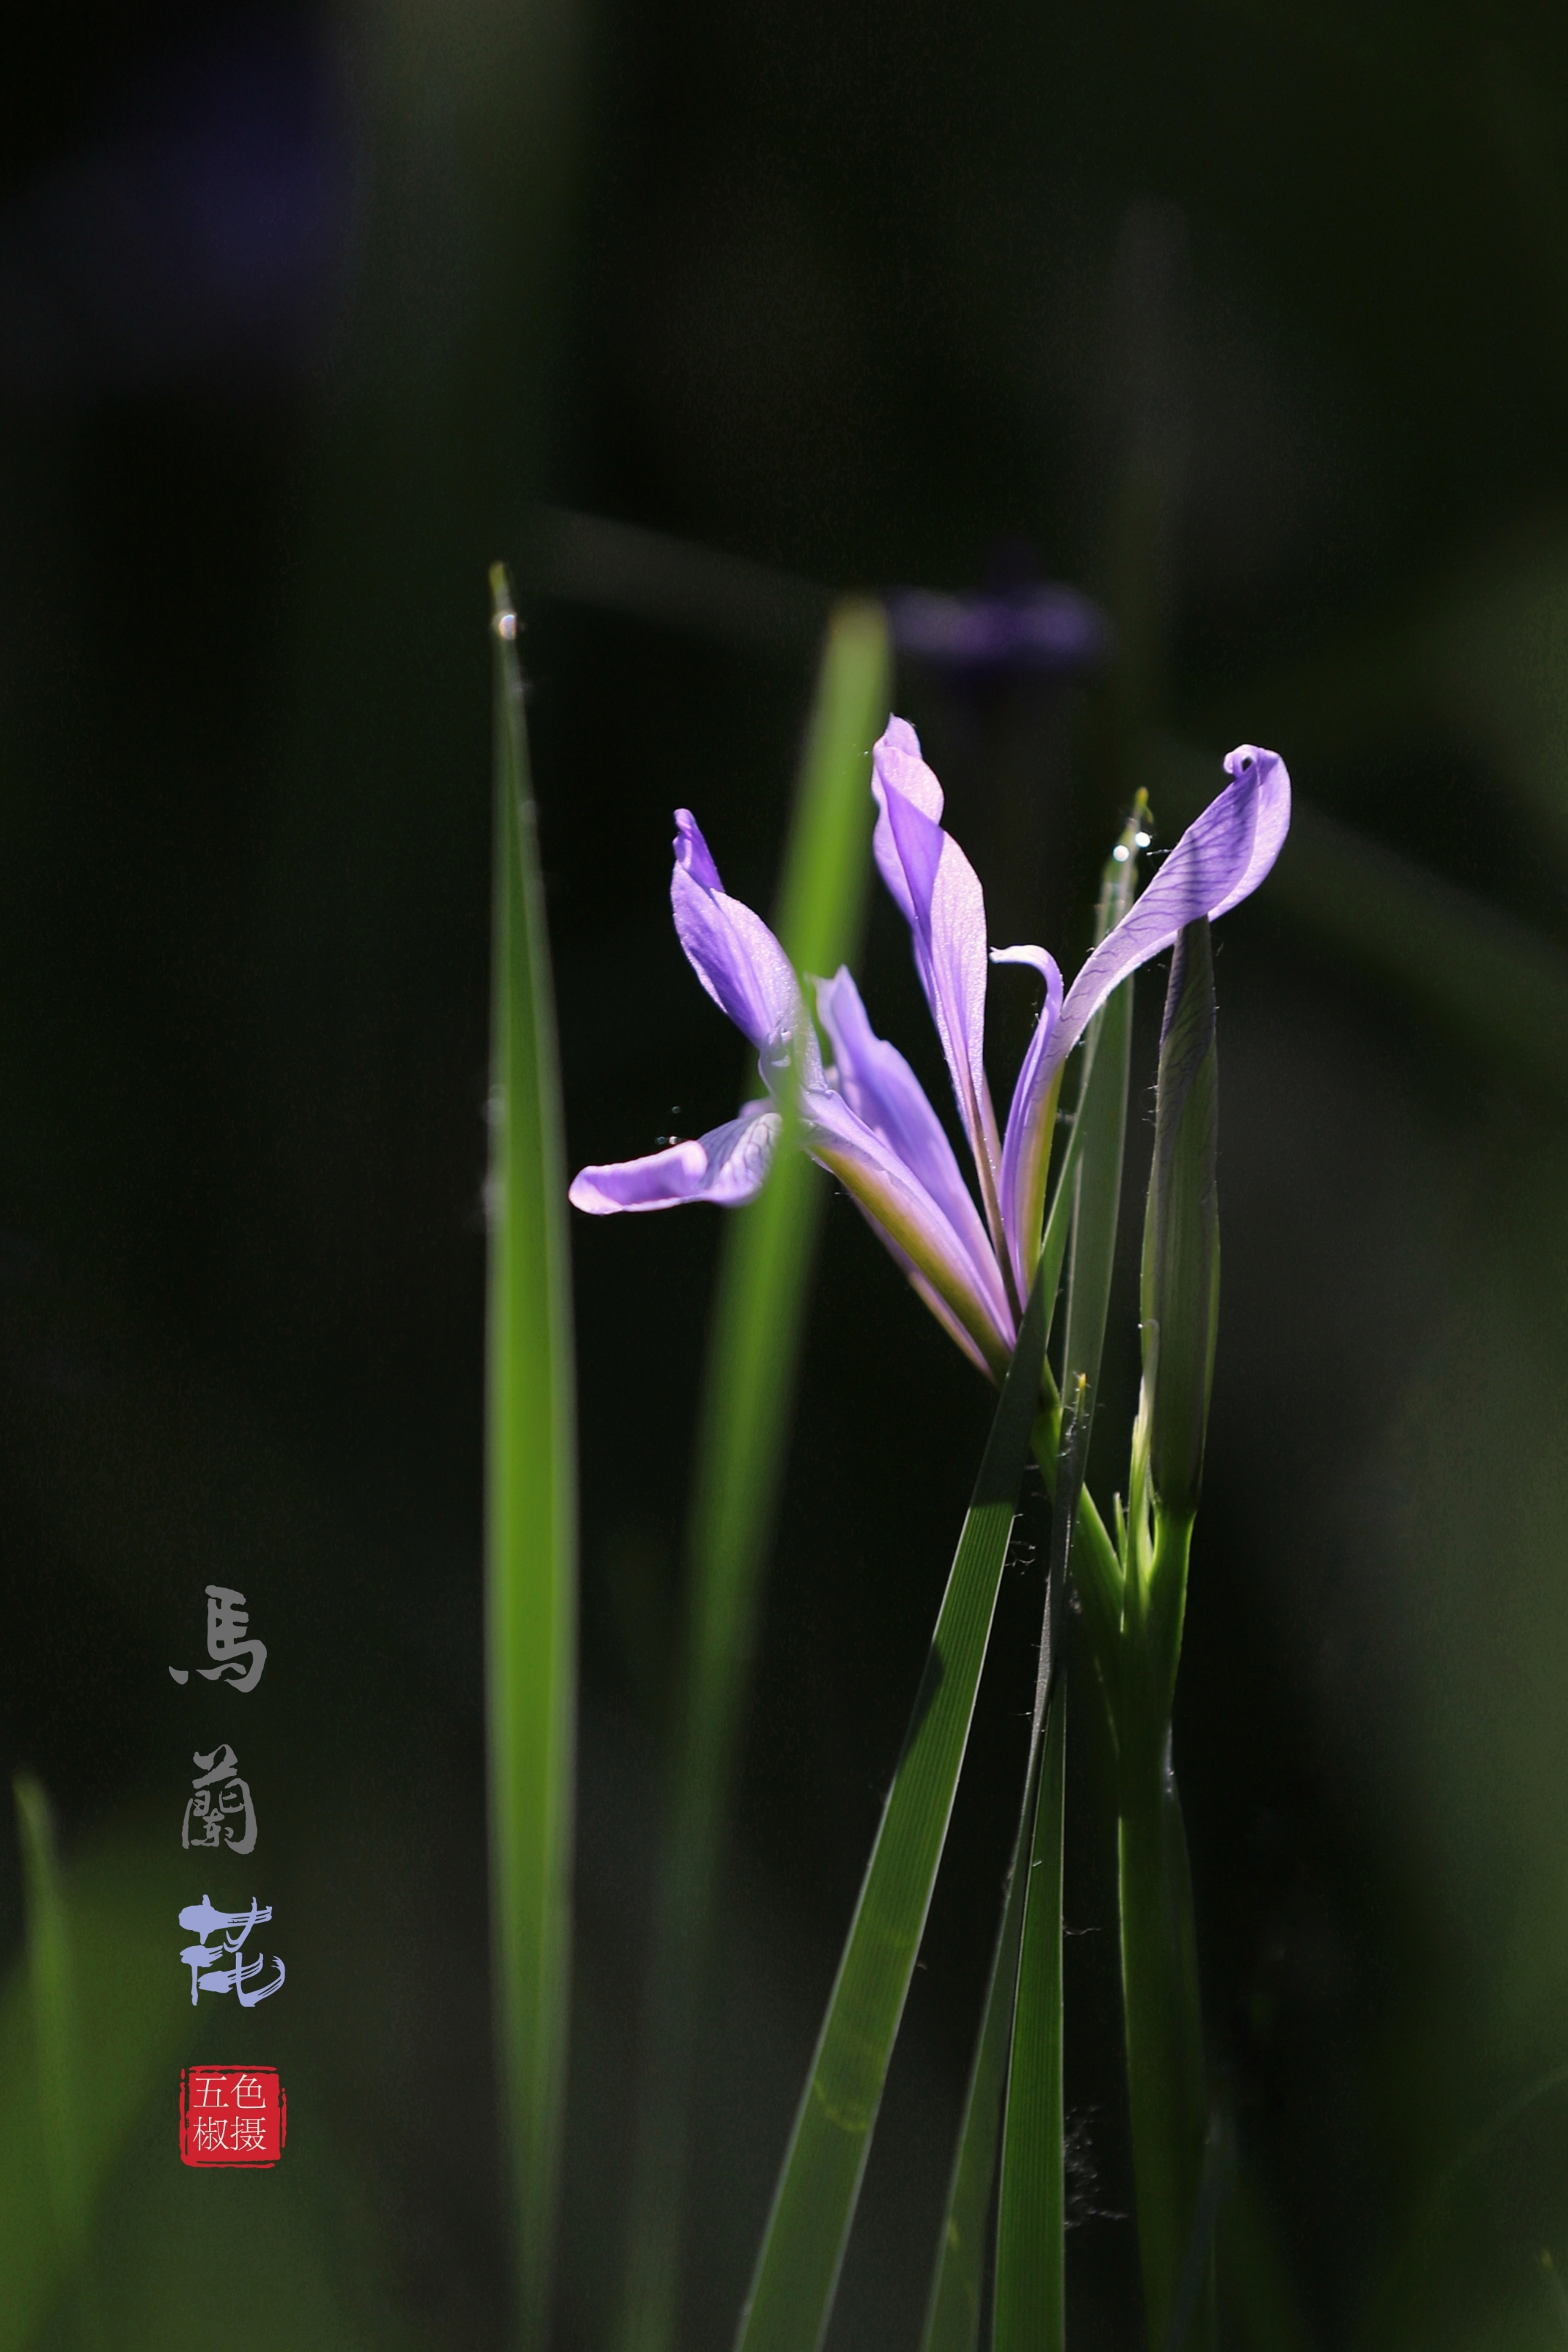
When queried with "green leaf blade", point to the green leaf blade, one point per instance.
{"points": [[530, 1511], [958, 2279], [803, 2247], [765, 1276], [1031, 2311], [1167, 2096]]}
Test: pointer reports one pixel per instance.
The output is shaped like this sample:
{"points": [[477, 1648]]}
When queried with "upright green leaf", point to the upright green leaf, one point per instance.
{"points": [[531, 1511], [765, 1276], [57, 2041], [958, 2279], [1180, 1282], [1031, 2308], [89, 2040], [803, 2247], [1166, 2089], [1088, 1204], [1099, 1139], [954, 2312]]}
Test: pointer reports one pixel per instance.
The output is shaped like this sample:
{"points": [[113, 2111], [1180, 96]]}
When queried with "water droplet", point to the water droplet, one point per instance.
{"points": [[506, 625], [1143, 839], [1121, 853]]}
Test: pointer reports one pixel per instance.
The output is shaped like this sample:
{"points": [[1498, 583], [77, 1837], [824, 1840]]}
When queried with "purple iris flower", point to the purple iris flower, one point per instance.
{"points": [[864, 1115], [1032, 627]]}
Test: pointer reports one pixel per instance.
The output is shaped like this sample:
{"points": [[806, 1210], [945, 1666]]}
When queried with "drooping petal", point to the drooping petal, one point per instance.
{"points": [[1219, 860], [1026, 1148], [731, 950], [938, 893], [726, 1166], [883, 1091], [892, 1198]]}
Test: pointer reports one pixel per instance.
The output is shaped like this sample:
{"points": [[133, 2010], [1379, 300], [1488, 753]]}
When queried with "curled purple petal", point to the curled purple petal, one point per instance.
{"points": [[1219, 860], [883, 1092], [1271, 786], [938, 893], [727, 1166], [731, 950], [1026, 1148]]}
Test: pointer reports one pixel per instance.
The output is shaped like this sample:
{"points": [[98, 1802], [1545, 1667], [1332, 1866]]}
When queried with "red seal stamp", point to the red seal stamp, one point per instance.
{"points": [[232, 2114]]}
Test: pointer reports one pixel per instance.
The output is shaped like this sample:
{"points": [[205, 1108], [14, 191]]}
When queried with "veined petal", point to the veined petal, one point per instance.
{"points": [[731, 950], [939, 894], [1026, 1148], [726, 1166], [897, 767], [1219, 860], [892, 1198], [883, 1092]]}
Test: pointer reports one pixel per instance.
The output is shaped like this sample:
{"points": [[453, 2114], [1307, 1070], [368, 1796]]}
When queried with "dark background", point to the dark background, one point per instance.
{"points": [[1250, 319]]}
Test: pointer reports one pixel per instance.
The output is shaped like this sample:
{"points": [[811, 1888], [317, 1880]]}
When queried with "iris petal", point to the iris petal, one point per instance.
{"points": [[892, 1198], [938, 892], [881, 1089], [731, 950], [727, 1166], [1219, 860], [1026, 1148]]}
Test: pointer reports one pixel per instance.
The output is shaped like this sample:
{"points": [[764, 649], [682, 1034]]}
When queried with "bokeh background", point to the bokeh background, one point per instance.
{"points": [[1251, 319]]}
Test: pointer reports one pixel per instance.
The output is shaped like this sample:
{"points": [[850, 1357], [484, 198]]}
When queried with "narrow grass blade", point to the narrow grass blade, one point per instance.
{"points": [[1167, 2098], [1557, 2295], [765, 1276], [958, 2281], [803, 2250], [1215, 2182], [1031, 2308], [531, 1513], [56, 2042], [89, 2036], [1166, 2076]]}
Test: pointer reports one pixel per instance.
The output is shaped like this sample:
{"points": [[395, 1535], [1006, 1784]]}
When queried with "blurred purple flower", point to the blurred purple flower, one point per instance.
{"points": [[1031, 628], [865, 1116]]}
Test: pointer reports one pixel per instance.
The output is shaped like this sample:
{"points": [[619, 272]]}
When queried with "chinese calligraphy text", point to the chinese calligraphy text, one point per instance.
{"points": [[220, 1812], [227, 1623], [204, 1960]]}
